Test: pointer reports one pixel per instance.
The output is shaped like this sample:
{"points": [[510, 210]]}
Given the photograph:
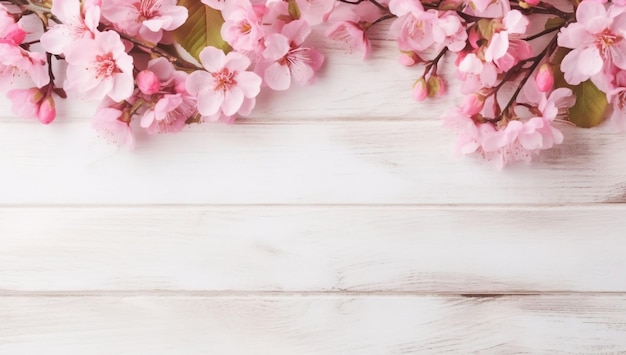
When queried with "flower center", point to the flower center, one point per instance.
{"points": [[224, 79], [148, 9], [245, 28], [106, 66], [606, 39]]}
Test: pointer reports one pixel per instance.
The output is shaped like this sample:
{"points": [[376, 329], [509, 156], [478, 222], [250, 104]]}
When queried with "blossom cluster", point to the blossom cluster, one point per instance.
{"points": [[157, 65]]}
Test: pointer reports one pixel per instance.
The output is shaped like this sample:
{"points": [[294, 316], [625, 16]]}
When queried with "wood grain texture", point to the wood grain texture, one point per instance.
{"points": [[312, 325], [316, 163], [313, 249]]}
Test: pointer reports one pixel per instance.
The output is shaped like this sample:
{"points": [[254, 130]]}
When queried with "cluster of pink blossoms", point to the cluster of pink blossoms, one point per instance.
{"points": [[120, 53], [518, 79]]}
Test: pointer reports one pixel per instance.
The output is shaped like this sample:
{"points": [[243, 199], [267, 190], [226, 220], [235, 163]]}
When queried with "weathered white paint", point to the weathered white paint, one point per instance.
{"points": [[328, 248], [319, 163], [294, 324]]}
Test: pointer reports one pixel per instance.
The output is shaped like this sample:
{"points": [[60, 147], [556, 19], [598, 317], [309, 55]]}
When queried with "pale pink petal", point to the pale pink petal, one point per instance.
{"points": [[587, 11], [590, 62], [197, 81], [276, 47], [236, 62], [212, 59], [249, 83], [498, 46], [209, 102], [277, 76], [297, 31], [233, 99]]}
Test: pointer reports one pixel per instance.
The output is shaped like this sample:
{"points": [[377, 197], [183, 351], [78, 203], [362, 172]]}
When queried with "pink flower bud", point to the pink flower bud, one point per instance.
{"points": [[545, 78], [408, 58], [148, 83], [47, 111], [472, 104], [436, 86], [420, 90]]}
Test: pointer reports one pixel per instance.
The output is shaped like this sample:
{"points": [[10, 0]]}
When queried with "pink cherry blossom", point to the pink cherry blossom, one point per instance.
{"points": [[144, 18], [14, 61], [77, 21], [242, 27], [287, 59], [111, 121], [515, 24], [225, 86], [166, 103], [99, 67], [597, 40], [352, 34]]}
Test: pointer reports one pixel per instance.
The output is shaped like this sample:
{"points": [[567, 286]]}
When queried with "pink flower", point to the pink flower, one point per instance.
{"points": [[99, 67], [33, 103], [597, 40], [166, 104], [15, 61], [352, 34], [287, 59], [144, 18], [77, 21], [112, 122], [225, 86], [242, 26], [514, 24]]}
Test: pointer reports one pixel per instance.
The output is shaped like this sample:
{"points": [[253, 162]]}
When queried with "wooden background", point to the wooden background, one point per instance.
{"points": [[336, 220]]}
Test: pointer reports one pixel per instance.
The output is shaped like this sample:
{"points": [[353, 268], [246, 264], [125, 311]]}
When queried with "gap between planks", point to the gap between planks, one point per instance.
{"points": [[323, 206], [295, 294]]}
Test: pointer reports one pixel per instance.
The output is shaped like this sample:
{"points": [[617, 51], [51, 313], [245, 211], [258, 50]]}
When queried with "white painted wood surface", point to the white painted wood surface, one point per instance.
{"points": [[336, 220]]}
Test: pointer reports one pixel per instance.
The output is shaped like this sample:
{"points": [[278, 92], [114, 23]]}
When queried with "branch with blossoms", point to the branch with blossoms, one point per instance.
{"points": [[158, 65]]}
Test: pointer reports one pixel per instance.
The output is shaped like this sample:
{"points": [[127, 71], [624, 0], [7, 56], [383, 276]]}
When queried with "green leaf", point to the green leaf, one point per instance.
{"points": [[202, 28], [591, 103], [553, 22]]}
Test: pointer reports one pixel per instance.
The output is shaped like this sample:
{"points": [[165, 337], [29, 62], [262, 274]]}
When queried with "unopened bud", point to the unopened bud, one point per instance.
{"points": [[545, 78], [408, 58], [420, 90], [148, 82], [436, 86], [47, 111], [472, 104]]}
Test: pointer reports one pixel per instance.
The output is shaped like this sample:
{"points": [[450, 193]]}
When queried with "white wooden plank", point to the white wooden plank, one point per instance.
{"points": [[320, 163], [314, 249], [312, 325]]}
